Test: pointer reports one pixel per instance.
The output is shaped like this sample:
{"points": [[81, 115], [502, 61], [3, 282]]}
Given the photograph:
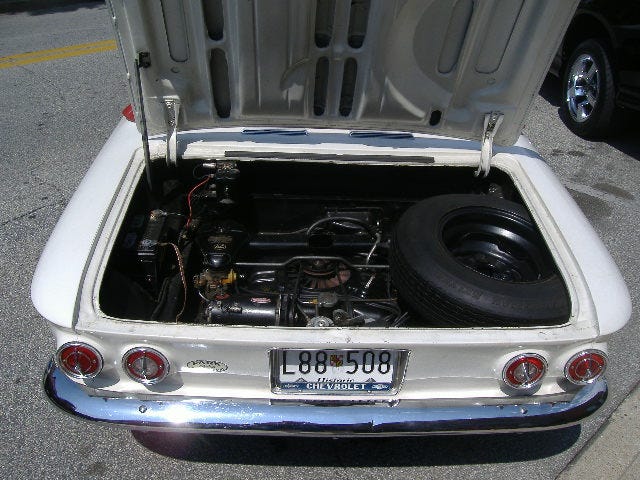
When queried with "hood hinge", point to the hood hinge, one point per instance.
{"points": [[172, 109], [492, 122]]}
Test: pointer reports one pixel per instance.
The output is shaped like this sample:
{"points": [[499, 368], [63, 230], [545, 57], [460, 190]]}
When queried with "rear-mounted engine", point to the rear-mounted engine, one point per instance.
{"points": [[322, 245]]}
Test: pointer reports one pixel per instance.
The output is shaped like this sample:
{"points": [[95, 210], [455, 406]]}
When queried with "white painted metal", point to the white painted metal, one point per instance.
{"points": [[60, 271], [462, 59]]}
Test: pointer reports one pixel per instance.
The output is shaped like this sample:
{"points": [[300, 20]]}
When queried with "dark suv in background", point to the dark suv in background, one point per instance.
{"points": [[599, 65]]}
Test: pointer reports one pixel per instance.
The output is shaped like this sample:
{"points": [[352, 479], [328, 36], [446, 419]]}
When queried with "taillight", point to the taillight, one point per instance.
{"points": [[524, 371], [145, 365], [585, 367], [79, 360]]}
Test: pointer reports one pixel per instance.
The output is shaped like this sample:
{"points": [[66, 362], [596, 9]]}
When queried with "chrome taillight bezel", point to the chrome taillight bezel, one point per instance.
{"points": [[583, 353], [62, 363], [150, 353], [518, 359]]}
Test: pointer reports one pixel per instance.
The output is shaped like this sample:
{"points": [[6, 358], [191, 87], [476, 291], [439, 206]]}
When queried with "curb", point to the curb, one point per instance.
{"points": [[614, 451]]}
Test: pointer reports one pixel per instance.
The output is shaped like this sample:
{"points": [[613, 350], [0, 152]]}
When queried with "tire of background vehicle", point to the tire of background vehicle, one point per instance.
{"points": [[475, 261], [594, 120]]}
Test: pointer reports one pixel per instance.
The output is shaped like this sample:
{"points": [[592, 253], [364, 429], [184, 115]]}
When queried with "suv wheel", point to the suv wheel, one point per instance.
{"points": [[588, 90]]}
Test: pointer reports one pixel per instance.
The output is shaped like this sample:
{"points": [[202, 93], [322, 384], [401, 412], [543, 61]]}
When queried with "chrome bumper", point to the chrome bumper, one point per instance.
{"points": [[405, 417]]}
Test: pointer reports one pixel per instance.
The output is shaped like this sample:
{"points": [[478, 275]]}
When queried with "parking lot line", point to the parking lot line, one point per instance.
{"points": [[56, 53]]}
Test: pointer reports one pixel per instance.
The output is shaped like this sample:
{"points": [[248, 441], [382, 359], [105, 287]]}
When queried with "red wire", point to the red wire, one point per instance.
{"points": [[189, 197]]}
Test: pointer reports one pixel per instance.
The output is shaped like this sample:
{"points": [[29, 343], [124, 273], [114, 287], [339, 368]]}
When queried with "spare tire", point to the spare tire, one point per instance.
{"points": [[475, 261]]}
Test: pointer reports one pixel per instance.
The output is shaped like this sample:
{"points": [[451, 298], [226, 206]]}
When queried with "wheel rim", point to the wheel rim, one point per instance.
{"points": [[497, 244], [583, 87]]}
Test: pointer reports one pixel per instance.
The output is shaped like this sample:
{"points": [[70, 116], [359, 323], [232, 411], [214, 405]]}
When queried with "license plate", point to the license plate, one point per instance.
{"points": [[337, 371]]}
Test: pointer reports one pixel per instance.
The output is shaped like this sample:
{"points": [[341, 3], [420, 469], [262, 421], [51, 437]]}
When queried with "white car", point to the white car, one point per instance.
{"points": [[320, 217]]}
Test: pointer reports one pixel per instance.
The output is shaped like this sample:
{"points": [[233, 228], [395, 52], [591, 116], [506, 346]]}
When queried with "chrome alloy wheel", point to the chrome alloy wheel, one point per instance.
{"points": [[583, 84]]}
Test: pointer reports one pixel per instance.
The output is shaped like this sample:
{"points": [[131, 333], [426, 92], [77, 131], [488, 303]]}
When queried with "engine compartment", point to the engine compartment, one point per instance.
{"points": [[285, 244]]}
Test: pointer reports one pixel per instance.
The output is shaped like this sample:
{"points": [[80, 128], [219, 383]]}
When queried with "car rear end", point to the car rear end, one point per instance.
{"points": [[417, 378]]}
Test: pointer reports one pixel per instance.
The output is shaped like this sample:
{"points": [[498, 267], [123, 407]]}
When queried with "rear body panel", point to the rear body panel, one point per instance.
{"points": [[444, 363]]}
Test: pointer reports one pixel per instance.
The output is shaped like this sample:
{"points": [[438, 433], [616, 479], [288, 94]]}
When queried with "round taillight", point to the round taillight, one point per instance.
{"points": [[524, 371], [145, 365], [79, 360], [586, 367]]}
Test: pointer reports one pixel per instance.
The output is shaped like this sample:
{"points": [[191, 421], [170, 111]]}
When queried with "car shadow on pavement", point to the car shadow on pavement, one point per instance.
{"points": [[625, 137], [43, 7], [359, 452]]}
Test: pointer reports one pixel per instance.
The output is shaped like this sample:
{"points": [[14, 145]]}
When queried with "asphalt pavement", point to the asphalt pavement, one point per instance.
{"points": [[614, 451], [57, 113]]}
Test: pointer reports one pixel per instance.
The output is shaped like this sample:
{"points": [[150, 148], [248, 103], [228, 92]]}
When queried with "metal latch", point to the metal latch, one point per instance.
{"points": [[492, 122], [172, 109]]}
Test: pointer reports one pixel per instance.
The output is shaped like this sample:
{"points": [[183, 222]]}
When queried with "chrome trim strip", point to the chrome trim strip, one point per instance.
{"points": [[405, 417]]}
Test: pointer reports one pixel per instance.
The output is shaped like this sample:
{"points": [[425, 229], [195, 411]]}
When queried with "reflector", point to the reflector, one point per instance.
{"points": [[127, 112]]}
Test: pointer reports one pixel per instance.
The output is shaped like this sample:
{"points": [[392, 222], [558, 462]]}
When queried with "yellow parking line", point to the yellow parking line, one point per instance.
{"points": [[56, 53]]}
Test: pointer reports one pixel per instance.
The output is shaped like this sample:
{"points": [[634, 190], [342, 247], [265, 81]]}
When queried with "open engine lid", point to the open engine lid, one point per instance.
{"points": [[455, 68]]}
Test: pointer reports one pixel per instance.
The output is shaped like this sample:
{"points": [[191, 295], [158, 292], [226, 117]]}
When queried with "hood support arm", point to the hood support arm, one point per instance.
{"points": [[143, 61], [492, 122]]}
